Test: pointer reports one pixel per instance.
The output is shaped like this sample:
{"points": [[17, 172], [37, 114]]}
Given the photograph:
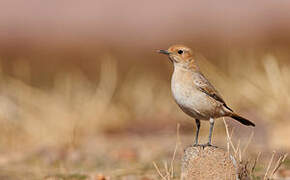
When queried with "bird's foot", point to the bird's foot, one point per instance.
{"points": [[210, 145], [195, 145], [205, 145]]}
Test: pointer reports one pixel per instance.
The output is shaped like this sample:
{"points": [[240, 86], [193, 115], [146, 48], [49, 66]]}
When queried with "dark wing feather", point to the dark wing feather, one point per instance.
{"points": [[205, 86]]}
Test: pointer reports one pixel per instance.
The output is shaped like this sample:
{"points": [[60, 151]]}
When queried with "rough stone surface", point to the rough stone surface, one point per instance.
{"points": [[205, 163]]}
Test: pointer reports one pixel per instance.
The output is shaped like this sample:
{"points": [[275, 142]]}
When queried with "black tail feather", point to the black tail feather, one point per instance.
{"points": [[242, 120]]}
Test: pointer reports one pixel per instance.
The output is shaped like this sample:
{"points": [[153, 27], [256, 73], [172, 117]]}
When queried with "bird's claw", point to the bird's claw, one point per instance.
{"points": [[210, 145], [204, 145]]}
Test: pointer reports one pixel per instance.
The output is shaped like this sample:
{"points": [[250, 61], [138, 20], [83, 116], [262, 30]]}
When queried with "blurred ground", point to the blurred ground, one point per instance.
{"points": [[84, 94], [110, 115]]}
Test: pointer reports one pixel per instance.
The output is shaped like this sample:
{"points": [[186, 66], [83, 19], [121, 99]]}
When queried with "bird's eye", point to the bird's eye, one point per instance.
{"points": [[179, 51]]}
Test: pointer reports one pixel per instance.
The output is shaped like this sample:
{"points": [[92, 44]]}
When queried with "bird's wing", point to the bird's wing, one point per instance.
{"points": [[205, 86]]}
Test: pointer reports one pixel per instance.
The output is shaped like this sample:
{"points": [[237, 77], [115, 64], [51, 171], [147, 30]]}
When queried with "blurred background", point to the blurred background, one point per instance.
{"points": [[83, 94]]}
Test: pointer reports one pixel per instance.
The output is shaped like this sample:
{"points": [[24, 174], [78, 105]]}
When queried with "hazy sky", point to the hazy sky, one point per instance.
{"points": [[140, 22]]}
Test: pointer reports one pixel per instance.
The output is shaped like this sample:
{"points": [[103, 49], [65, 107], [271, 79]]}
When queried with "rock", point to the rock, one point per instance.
{"points": [[205, 163]]}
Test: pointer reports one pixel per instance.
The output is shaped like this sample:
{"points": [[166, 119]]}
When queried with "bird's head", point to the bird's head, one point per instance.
{"points": [[179, 54]]}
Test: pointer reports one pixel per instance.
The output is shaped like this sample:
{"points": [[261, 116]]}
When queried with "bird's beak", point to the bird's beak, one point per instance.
{"points": [[163, 52]]}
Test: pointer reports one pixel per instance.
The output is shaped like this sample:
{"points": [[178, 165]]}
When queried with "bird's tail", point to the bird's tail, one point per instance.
{"points": [[242, 120]]}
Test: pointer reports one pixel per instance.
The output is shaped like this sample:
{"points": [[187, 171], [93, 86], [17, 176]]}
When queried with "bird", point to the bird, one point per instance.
{"points": [[193, 92]]}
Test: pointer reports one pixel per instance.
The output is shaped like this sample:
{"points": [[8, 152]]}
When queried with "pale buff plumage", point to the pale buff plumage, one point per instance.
{"points": [[194, 93]]}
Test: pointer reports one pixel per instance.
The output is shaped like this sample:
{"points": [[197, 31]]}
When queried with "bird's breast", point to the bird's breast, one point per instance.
{"points": [[192, 101]]}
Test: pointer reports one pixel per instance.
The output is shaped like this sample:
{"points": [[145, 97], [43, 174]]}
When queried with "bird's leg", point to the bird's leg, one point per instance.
{"points": [[211, 122], [197, 121]]}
